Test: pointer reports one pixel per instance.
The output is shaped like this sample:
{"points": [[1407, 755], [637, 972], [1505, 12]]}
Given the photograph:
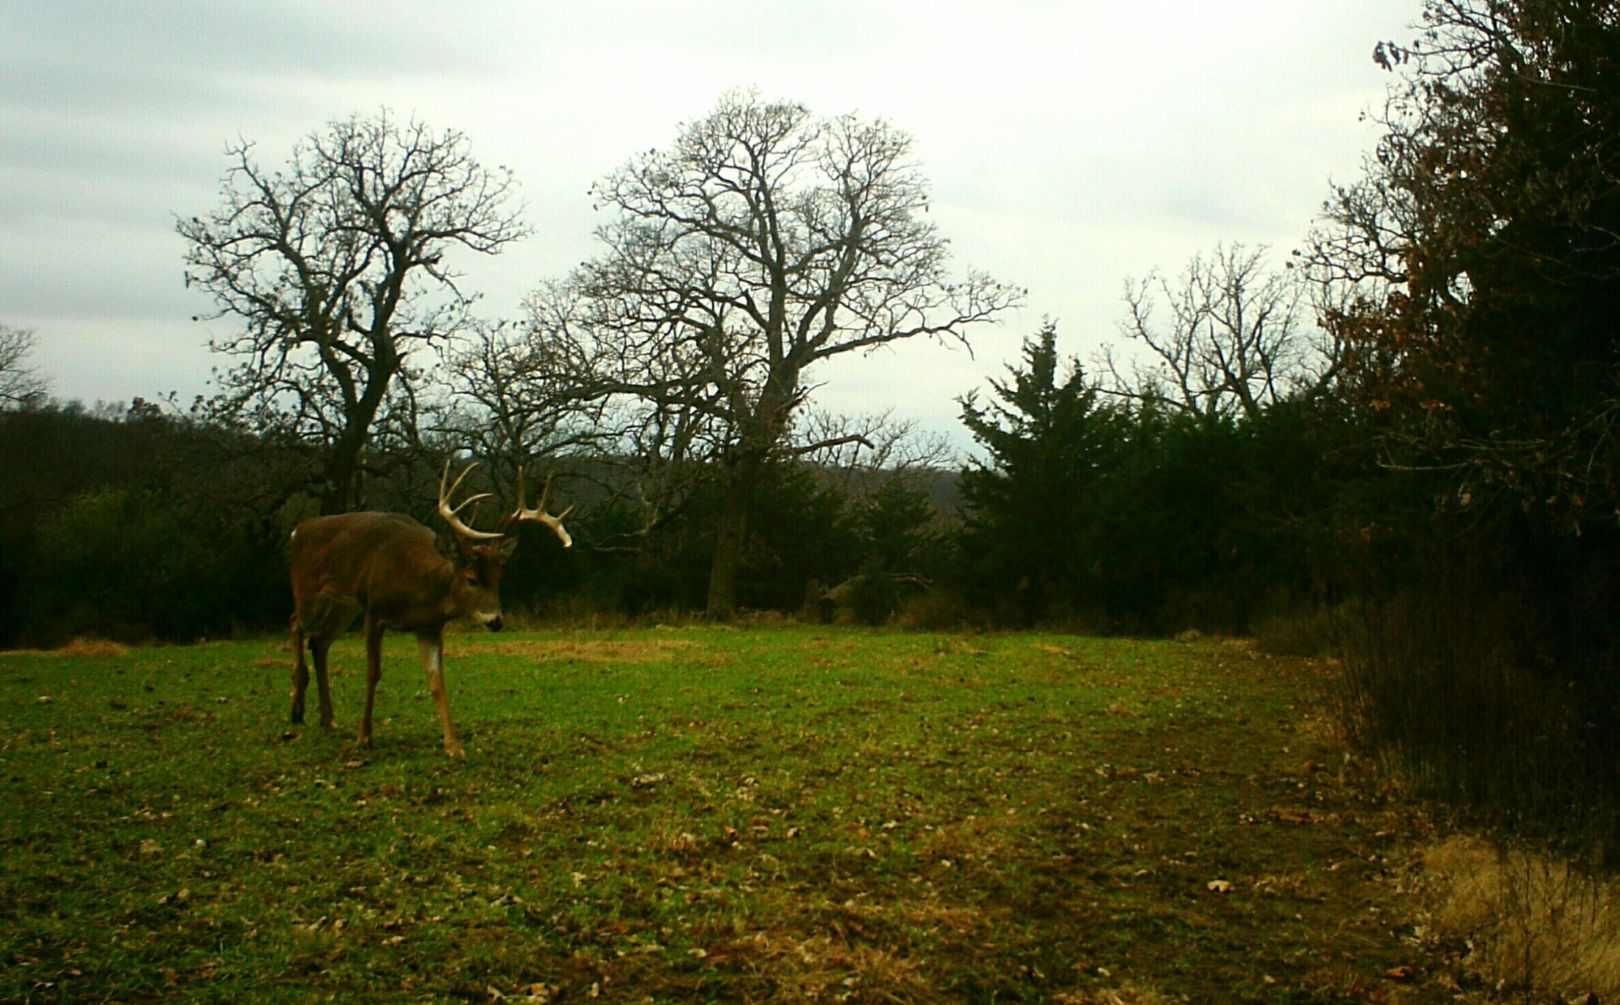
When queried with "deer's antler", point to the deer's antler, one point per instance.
{"points": [[538, 514], [451, 513]]}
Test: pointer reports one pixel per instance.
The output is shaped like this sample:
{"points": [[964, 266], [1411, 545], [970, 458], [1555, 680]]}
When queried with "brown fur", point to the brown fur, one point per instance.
{"points": [[387, 568]]}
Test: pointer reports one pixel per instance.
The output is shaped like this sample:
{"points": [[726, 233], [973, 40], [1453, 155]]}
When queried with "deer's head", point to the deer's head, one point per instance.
{"points": [[480, 556]]}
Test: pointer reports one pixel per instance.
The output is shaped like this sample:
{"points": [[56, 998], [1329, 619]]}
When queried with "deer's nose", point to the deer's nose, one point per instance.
{"points": [[494, 624]]}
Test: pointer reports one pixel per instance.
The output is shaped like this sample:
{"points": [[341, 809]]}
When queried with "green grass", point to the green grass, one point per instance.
{"points": [[784, 814]]}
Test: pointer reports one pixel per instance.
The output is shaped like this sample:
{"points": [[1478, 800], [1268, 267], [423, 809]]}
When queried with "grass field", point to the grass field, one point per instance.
{"points": [[697, 814]]}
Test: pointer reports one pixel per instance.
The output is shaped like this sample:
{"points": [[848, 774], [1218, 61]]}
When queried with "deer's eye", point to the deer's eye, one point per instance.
{"points": [[472, 579]]}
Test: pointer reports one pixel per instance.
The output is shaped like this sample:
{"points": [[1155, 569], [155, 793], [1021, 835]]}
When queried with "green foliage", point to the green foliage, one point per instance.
{"points": [[896, 551], [1029, 542], [1173, 531], [801, 531], [1141, 518], [108, 554], [125, 563], [898, 529], [135, 526]]}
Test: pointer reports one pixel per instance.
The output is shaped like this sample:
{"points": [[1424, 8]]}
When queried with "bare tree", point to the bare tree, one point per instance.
{"points": [[1232, 338], [20, 386], [650, 448], [338, 266], [861, 453], [763, 242], [511, 398]]}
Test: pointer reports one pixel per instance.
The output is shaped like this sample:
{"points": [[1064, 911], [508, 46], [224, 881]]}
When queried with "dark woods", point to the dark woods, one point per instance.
{"points": [[1085, 512], [1402, 450]]}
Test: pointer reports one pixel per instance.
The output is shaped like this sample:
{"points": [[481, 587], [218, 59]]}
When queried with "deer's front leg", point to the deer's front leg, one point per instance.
{"points": [[431, 648], [374, 637]]}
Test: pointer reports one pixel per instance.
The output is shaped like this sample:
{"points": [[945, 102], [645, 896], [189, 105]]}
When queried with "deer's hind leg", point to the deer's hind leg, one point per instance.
{"points": [[317, 648], [315, 625], [300, 673], [374, 637]]}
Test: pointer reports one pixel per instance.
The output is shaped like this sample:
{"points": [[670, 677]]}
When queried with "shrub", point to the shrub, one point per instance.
{"points": [[1440, 679], [123, 563], [1318, 632], [934, 610]]}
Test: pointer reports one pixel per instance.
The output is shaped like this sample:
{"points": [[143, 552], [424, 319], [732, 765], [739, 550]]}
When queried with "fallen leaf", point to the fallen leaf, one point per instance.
{"points": [[1295, 816]]}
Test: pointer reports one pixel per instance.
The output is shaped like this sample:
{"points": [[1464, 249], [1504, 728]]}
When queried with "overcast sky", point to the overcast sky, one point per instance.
{"points": [[1069, 144]]}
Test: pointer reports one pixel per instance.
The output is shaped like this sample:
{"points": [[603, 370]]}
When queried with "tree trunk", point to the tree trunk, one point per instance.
{"points": [[728, 551], [731, 537], [338, 492], [340, 487], [761, 433], [341, 493]]}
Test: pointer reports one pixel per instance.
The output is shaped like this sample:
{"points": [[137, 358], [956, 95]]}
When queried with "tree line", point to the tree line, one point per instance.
{"points": [[1398, 448]]}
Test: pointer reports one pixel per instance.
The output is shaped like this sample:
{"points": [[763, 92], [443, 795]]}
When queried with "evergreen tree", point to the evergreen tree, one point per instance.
{"points": [[1049, 446]]}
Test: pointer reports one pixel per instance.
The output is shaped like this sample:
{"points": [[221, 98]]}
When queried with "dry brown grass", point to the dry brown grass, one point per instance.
{"points": [[787, 966], [1128, 995], [974, 838], [1532, 923], [595, 651], [81, 648]]}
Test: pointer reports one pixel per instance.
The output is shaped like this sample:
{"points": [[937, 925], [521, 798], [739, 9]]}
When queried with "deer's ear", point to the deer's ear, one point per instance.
{"points": [[508, 546]]}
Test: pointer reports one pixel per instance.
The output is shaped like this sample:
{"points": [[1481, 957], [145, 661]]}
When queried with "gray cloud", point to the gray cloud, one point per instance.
{"points": [[1069, 143]]}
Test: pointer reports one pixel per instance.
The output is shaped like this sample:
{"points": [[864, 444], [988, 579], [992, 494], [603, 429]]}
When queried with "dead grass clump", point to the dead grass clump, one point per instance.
{"points": [[604, 651], [934, 916], [788, 968], [671, 841], [1127, 995], [82, 648], [971, 839], [934, 610], [1533, 924]]}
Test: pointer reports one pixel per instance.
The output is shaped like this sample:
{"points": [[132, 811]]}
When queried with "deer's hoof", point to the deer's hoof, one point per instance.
{"points": [[455, 751]]}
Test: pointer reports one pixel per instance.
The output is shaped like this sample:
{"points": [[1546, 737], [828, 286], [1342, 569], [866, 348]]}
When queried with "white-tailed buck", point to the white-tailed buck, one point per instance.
{"points": [[389, 568]]}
